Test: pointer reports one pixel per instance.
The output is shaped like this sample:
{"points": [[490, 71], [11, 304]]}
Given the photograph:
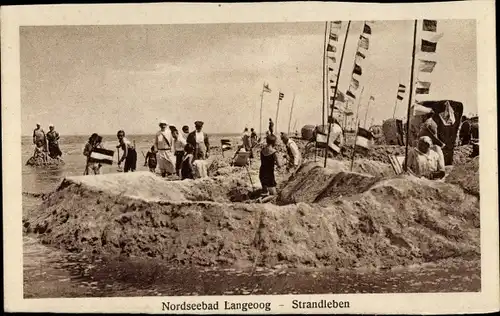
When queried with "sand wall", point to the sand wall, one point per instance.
{"points": [[384, 222]]}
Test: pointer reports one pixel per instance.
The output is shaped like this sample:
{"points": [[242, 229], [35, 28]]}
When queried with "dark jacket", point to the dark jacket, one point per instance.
{"points": [[191, 139]]}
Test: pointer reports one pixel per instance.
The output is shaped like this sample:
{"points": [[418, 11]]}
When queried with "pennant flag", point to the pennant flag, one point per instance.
{"points": [[266, 88], [330, 69], [423, 87], [281, 96], [430, 25], [363, 138], [101, 155], [340, 97], [400, 97], [428, 47], [334, 37], [334, 60], [360, 54], [331, 48], [372, 98], [367, 29], [357, 70], [359, 58], [426, 65], [364, 42], [350, 94], [354, 83]]}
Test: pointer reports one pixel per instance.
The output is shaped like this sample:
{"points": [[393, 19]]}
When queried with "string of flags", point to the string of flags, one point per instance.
{"points": [[428, 45], [357, 71], [401, 89], [331, 51]]}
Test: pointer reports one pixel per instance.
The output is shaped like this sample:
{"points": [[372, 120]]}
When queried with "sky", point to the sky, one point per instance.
{"points": [[86, 79]]}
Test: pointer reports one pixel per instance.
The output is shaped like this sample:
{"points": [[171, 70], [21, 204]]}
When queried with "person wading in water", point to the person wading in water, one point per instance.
{"points": [[93, 143], [163, 144], [39, 136], [129, 153], [53, 142]]}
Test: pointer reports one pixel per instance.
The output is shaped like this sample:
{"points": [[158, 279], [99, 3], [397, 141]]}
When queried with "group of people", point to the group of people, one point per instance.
{"points": [[46, 145]]}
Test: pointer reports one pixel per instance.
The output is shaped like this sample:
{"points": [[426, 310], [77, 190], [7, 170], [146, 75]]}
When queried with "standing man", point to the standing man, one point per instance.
{"points": [[179, 145], [199, 140], [293, 153], [129, 153], [271, 127], [253, 137], [185, 131], [39, 136], [163, 145], [53, 142]]}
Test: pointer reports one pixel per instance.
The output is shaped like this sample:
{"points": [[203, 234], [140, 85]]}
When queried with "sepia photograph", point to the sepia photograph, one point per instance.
{"points": [[250, 159]]}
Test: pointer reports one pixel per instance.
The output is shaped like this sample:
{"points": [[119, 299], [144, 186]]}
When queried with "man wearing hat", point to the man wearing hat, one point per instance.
{"points": [[163, 145], [53, 142], [39, 136], [199, 140], [429, 129]]}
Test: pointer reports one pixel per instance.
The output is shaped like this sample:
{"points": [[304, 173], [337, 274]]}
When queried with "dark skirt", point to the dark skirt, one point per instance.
{"points": [[131, 160], [186, 170], [54, 150], [266, 172], [178, 161]]}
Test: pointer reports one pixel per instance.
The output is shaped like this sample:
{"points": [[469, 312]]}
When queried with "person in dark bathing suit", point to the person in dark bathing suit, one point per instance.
{"points": [[150, 159], [187, 171], [129, 153], [268, 159]]}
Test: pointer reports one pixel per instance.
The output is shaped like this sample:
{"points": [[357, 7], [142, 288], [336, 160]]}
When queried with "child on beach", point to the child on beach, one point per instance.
{"points": [[94, 142], [268, 159], [151, 159], [187, 170]]}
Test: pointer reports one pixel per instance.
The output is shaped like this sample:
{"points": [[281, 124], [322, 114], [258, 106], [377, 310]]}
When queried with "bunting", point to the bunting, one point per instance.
{"points": [[367, 29], [335, 24], [430, 25], [350, 94], [333, 59], [355, 83], [426, 65], [428, 47], [334, 37], [281, 96], [423, 87], [364, 42], [357, 70], [401, 89], [331, 48]]}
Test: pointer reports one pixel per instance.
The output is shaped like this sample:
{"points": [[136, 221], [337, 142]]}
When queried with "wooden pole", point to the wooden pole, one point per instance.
{"points": [[395, 106], [325, 89], [277, 111], [354, 147], [366, 113], [291, 111], [408, 114], [359, 103], [261, 100], [335, 93]]}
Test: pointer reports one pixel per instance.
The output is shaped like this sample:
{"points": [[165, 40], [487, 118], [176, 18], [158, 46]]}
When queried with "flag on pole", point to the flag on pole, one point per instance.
{"points": [[334, 60], [334, 37], [354, 83], [402, 88], [400, 97], [336, 24], [358, 59], [350, 94], [363, 42], [102, 156], [281, 96], [426, 65], [357, 70], [225, 144], [330, 69], [363, 138], [423, 87], [266, 88], [430, 25], [331, 48], [367, 29], [372, 98], [428, 47]]}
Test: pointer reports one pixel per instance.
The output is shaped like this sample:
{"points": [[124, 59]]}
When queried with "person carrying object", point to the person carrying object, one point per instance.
{"points": [[129, 154], [94, 142], [293, 153]]}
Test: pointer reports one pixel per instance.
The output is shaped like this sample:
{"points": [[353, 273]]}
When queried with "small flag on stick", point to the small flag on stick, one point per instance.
{"points": [[363, 138], [101, 155], [266, 88]]}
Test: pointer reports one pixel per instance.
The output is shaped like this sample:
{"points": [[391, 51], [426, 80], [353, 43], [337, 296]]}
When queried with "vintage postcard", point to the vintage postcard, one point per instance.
{"points": [[250, 158]]}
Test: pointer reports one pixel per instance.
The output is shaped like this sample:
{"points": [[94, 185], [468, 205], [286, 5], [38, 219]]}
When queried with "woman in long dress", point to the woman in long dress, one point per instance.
{"points": [[268, 159], [163, 144]]}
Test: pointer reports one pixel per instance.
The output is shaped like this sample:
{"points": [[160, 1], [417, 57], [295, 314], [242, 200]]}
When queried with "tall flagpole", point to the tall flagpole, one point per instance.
{"points": [[395, 105], [291, 112], [261, 100], [359, 104], [410, 97], [335, 94], [366, 113], [324, 76], [277, 110]]}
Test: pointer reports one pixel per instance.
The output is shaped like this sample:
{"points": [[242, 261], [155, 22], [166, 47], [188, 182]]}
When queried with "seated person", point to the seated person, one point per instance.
{"points": [[40, 152], [426, 160]]}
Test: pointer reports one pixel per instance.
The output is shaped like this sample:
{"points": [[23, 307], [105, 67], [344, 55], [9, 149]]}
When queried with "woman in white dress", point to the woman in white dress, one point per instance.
{"points": [[163, 145]]}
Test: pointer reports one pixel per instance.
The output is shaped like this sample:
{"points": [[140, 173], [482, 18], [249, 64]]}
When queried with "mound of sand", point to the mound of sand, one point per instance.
{"points": [[466, 176], [34, 162], [393, 221]]}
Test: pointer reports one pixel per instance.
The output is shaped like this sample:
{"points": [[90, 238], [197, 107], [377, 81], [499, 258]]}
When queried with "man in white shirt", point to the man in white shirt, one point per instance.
{"points": [[199, 140], [293, 152], [179, 144], [163, 145]]}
